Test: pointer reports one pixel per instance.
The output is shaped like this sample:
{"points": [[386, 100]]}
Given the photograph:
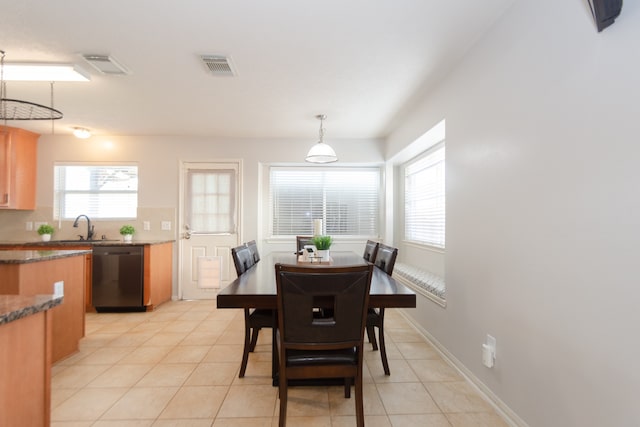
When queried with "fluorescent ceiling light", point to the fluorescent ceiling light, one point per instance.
{"points": [[44, 72]]}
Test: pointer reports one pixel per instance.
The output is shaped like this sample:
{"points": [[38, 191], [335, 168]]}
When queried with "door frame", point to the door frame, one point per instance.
{"points": [[182, 163]]}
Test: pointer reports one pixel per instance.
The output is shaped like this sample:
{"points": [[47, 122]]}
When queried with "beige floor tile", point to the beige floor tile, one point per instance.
{"points": [[168, 374], [347, 406], [369, 420], [307, 401], [233, 336], [120, 376], [249, 401], [186, 354], [59, 395], [88, 404], [307, 421], [400, 370], [149, 326], [256, 373], [417, 350], [77, 376], [430, 420], [106, 356], [97, 340], [403, 334], [194, 315], [222, 373], [165, 338], [476, 420], [123, 423], [457, 396], [71, 424], [146, 355], [195, 402], [434, 370], [244, 422], [224, 353], [201, 338], [181, 326], [184, 423], [141, 403], [132, 339], [406, 398]]}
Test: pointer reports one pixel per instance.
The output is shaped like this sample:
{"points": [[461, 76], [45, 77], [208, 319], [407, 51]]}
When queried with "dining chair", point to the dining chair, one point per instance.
{"points": [[370, 249], [301, 241], [254, 319], [253, 247], [310, 347], [385, 260]]}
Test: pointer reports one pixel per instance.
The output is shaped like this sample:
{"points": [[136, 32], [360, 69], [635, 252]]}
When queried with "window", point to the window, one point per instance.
{"points": [[424, 198], [346, 199], [211, 204], [99, 191]]}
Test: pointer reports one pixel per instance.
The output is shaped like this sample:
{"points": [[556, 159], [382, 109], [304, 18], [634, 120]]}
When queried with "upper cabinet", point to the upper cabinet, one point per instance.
{"points": [[18, 158]]}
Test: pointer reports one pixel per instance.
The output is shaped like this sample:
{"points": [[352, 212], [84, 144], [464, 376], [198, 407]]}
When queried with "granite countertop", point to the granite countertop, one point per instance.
{"points": [[26, 256], [14, 307], [88, 243]]}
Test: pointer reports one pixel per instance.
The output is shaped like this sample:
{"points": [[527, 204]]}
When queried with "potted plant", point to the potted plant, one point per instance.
{"points": [[127, 232], [45, 231], [322, 244]]}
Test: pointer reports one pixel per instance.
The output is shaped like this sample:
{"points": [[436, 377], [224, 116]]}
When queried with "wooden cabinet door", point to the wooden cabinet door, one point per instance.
{"points": [[19, 165]]}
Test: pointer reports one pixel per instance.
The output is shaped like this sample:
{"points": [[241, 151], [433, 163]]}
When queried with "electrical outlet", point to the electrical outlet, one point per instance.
{"points": [[489, 351], [146, 225], [58, 288], [166, 225], [29, 226]]}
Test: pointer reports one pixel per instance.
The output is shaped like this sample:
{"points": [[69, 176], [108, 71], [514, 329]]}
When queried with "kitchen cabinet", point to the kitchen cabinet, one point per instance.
{"points": [[18, 161]]}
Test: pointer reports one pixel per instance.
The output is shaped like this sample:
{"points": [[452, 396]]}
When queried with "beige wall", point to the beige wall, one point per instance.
{"points": [[543, 213]]}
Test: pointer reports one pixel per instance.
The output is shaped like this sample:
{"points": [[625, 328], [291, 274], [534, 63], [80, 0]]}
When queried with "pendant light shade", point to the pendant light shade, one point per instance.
{"points": [[321, 152]]}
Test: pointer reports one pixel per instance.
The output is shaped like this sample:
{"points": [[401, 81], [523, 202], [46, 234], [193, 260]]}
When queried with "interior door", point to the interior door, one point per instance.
{"points": [[209, 221]]}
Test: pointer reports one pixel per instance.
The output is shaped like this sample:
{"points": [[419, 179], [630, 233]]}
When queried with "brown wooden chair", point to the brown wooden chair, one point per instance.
{"points": [[385, 260], [303, 240], [370, 249], [253, 248], [256, 319], [328, 347]]}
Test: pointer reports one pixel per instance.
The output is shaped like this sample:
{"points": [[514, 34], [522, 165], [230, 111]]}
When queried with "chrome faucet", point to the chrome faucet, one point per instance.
{"points": [[89, 227]]}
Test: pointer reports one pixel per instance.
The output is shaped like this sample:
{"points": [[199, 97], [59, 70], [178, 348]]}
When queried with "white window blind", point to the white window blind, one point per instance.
{"points": [[347, 200], [424, 198], [99, 191]]}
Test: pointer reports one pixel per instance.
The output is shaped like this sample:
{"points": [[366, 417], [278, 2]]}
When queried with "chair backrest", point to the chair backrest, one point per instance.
{"points": [[302, 290], [242, 259], [303, 240], [370, 250], [386, 258], [253, 248]]}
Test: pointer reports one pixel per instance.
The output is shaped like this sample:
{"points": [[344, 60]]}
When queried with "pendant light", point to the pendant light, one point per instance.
{"points": [[321, 152]]}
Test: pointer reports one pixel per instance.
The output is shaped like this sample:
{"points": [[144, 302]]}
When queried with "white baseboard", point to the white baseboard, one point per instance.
{"points": [[509, 416]]}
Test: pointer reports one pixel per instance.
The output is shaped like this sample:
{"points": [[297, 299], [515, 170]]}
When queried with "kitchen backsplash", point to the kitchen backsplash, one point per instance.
{"points": [[14, 224]]}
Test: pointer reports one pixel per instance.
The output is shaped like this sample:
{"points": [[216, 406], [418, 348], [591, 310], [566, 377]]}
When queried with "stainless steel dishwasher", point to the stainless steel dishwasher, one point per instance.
{"points": [[118, 278]]}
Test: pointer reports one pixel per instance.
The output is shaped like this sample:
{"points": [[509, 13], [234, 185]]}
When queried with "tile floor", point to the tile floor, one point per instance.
{"points": [[178, 366]]}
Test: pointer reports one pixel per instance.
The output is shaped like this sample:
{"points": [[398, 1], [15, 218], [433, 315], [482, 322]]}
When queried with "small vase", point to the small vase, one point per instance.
{"points": [[127, 237], [45, 237], [324, 254]]}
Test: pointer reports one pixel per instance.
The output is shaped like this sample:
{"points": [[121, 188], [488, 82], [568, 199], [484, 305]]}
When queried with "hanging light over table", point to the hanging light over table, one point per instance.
{"points": [[321, 152]]}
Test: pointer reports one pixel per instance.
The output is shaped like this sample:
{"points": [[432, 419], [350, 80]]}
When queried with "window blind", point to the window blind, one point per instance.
{"points": [[99, 191], [424, 198], [346, 199]]}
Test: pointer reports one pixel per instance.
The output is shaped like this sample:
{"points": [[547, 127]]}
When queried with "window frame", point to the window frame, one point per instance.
{"points": [[58, 206], [433, 245], [379, 194]]}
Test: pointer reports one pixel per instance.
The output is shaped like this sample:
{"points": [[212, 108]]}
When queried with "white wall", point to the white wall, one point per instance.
{"points": [[543, 212]]}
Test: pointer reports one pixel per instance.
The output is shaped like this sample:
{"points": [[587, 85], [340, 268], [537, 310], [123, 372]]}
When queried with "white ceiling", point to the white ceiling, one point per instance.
{"points": [[360, 62]]}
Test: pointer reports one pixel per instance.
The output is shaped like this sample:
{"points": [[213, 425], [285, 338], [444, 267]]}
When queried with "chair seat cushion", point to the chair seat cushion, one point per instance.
{"points": [[321, 357]]}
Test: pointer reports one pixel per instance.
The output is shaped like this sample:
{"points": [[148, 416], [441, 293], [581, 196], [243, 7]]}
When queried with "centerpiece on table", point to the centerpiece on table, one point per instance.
{"points": [[45, 231], [127, 232], [322, 244]]}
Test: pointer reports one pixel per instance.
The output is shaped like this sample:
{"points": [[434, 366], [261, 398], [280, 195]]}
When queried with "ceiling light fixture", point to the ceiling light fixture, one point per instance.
{"points": [[321, 152], [31, 72], [82, 133], [15, 109]]}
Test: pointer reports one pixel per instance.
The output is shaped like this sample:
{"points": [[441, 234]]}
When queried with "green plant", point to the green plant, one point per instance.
{"points": [[322, 243], [127, 229], [45, 229]]}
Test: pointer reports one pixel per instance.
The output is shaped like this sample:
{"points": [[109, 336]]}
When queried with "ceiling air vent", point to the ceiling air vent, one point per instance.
{"points": [[105, 64], [218, 65]]}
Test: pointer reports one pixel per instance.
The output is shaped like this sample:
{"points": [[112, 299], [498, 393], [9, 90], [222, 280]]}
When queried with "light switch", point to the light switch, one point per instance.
{"points": [[29, 226], [166, 225], [146, 225]]}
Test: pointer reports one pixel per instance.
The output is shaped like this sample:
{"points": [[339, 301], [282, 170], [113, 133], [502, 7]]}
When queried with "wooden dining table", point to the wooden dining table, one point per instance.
{"points": [[256, 288]]}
